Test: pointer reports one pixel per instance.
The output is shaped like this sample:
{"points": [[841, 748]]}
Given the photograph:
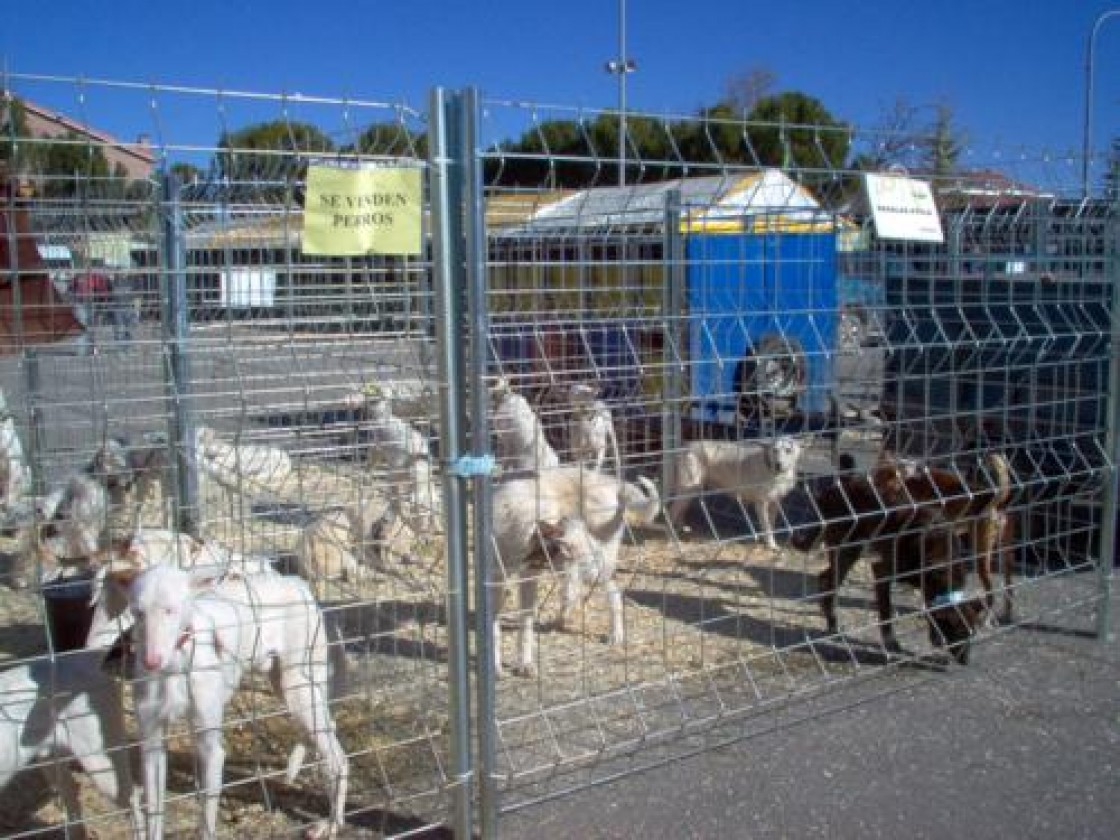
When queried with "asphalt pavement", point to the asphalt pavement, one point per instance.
{"points": [[1022, 743]]}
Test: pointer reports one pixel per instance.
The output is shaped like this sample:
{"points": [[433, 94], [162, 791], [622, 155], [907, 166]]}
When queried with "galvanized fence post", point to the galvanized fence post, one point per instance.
{"points": [[176, 338], [474, 216], [447, 269], [672, 308], [1112, 437]]}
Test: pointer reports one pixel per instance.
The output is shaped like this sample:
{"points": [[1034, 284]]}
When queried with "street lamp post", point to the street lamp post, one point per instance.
{"points": [[1087, 136], [622, 67]]}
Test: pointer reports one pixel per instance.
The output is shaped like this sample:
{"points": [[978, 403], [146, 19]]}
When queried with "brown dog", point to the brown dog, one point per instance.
{"points": [[977, 507], [915, 542]]}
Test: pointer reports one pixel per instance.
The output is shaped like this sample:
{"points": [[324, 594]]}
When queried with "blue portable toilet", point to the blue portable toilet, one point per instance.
{"points": [[758, 313], [762, 299]]}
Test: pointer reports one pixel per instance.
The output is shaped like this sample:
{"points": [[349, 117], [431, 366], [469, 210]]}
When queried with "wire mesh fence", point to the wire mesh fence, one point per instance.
{"points": [[711, 388]]}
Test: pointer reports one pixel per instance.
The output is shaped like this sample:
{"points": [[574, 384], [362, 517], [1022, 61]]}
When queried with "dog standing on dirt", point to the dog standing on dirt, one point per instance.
{"points": [[194, 642], [402, 450], [760, 473], [576, 516], [914, 543], [591, 428], [67, 708], [520, 443], [15, 473]]}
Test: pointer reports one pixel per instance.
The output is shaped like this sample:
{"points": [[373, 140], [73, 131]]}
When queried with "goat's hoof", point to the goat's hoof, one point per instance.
{"points": [[525, 669]]}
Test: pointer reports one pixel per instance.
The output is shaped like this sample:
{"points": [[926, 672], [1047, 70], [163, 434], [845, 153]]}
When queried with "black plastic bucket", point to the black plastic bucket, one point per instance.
{"points": [[69, 612]]}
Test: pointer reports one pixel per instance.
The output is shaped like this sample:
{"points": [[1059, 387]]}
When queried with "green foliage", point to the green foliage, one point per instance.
{"points": [[186, 173], [13, 127], [68, 165], [273, 152], [390, 139], [791, 130], [944, 145], [794, 129]]}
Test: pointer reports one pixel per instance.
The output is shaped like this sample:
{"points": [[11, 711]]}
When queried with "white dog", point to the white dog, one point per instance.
{"points": [[67, 708], [205, 560], [601, 504], [520, 443], [756, 472], [131, 471], [591, 429], [193, 646], [339, 544], [240, 467], [78, 521], [15, 473], [399, 447]]}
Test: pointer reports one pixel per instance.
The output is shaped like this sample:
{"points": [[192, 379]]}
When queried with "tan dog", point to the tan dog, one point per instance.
{"points": [[760, 473]]}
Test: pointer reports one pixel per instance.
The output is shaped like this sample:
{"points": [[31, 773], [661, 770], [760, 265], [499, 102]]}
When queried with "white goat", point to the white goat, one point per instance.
{"points": [[520, 443], [62, 708], [193, 646], [599, 502]]}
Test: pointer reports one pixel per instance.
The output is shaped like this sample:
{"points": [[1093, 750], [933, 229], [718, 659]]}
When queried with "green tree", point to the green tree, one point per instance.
{"points": [[390, 139], [269, 154], [186, 173], [789, 129], [944, 144], [70, 165], [13, 128], [795, 130]]}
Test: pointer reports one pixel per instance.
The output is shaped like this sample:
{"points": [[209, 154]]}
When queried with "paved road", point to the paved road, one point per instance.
{"points": [[1024, 743]]}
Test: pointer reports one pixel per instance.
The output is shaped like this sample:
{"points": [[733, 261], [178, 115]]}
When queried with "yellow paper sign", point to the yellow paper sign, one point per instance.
{"points": [[354, 212]]}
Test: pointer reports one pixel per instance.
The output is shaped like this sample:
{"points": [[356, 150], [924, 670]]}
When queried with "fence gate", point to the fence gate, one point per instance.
{"points": [[400, 429]]}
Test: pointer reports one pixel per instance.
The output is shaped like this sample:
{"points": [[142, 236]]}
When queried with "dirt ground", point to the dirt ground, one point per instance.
{"points": [[713, 621]]}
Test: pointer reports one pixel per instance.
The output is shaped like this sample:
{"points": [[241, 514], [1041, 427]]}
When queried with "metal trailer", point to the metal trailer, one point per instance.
{"points": [[719, 294]]}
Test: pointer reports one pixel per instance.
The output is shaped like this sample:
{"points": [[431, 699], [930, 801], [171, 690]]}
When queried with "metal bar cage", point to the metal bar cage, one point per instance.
{"points": [[707, 395]]}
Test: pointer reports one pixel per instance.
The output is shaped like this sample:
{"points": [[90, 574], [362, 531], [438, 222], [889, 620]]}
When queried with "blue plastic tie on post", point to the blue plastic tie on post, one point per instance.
{"points": [[469, 466]]}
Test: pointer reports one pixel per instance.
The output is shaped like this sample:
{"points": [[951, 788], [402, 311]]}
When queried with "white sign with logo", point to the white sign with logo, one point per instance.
{"points": [[903, 208]]}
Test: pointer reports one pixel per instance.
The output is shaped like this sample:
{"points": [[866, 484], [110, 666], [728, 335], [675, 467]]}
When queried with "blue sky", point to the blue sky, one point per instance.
{"points": [[1012, 70]]}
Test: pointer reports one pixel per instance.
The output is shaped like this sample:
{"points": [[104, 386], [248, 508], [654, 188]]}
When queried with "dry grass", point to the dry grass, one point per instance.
{"points": [[710, 626]]}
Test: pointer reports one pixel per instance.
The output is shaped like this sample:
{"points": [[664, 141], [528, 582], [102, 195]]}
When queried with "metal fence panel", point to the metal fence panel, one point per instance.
{"points": [[717, 299], [254, 394], [729, 293]]}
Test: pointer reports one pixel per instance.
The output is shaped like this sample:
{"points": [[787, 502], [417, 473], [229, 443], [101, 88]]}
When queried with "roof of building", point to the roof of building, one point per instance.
{"points": [[766, 199], [140, 149]]}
